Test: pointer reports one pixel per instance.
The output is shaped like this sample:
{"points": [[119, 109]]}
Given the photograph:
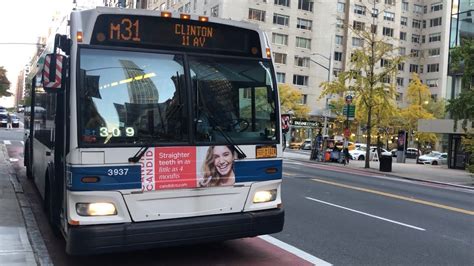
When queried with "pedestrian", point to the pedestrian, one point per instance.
{"points": [[347, 155], [9, 122]]}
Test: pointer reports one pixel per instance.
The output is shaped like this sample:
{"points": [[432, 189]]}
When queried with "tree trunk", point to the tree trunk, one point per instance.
{"points": [[369, 128]]}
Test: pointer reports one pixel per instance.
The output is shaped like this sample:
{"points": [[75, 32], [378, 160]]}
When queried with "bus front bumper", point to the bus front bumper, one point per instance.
{"points": [[95, 239]]}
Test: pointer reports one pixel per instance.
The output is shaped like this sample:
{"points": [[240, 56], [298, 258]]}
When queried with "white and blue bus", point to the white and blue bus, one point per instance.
{"points": [[156, 129]]}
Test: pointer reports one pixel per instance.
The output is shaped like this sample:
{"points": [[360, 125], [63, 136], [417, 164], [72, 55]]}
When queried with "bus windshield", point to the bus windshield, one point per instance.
{"points": [[129, 97]]}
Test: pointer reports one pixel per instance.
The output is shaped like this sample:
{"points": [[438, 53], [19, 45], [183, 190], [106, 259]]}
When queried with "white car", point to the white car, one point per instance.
{"points": [[359, 153], [433, 158]]}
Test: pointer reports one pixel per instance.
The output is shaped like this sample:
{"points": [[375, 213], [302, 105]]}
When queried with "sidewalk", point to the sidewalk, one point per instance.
{"points": [[15, 248], [430, 173]]}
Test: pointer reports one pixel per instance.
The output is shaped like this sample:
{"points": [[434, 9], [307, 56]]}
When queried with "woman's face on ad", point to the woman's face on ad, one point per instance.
{"points": [[223, 160]]}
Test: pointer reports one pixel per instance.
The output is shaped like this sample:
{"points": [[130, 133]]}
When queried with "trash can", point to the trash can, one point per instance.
{"points": [[385, 163]]}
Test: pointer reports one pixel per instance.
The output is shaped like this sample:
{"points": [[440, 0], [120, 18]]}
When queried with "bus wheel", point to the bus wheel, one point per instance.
{"points": [[51, 209]]}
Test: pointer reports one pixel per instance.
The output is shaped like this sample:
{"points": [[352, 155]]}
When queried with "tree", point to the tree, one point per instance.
{"points": [[462, 108], [290, 99], [418, 96], [4, 83], [371, 78]]}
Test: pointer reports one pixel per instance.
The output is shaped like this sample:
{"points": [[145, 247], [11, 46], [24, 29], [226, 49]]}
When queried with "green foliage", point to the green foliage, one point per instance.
{"points": [[4, 83], [290, 98], [371, 66], [468, 142], [462, 108], [462, 61]]}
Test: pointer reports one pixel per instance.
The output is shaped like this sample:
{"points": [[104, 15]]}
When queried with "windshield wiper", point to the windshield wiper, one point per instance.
{"points": [[135, 158]]}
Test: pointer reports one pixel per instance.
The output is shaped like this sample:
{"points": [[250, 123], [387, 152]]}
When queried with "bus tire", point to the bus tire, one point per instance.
{"points": [[51, 208], [27, 161]]}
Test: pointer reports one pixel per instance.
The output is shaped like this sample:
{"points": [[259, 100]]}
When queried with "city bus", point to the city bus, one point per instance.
{"points": [[156, 129]]}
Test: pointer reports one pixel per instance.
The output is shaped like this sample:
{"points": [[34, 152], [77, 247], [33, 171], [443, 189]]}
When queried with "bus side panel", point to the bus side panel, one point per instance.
{"points": [[40, 164]]}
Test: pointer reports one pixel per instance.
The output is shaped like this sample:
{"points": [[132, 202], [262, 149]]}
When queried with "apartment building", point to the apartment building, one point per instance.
{"points": [[306, 33]]}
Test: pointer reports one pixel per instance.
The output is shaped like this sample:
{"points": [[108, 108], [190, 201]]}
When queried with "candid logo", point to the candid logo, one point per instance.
{"points": [[147, 164]]}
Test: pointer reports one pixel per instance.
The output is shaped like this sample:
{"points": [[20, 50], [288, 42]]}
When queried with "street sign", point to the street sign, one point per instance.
{"points": [[351, 111]]}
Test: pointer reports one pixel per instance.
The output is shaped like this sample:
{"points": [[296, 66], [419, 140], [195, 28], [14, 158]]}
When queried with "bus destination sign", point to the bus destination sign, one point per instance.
{"points": [[171, 33]]}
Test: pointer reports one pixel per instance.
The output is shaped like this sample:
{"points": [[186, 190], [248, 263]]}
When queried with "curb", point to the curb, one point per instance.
{"points": [[388, 174], [35, 238]]}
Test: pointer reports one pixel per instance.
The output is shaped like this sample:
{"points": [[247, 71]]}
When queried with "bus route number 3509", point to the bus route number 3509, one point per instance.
{"points": [[117, 171]]}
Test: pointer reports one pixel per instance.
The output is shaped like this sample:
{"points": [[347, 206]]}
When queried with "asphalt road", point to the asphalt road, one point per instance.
{"points": [[355, 218], [341, 217]]}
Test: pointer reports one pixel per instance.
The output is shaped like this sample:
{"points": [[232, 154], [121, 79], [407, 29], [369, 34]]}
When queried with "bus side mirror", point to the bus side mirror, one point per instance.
{"points": [[53, 73]]}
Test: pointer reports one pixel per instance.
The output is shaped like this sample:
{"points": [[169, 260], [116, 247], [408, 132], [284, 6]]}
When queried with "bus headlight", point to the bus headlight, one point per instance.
{"points": [[264, 196], [96, 209]]}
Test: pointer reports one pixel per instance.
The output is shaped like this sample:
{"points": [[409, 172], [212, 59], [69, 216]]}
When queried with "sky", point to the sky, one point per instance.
{"points": [[23, 22]]}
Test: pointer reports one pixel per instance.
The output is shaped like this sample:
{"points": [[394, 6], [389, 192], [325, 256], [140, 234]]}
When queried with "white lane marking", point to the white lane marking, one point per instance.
{"points": [[296, 251], [22, 142], [367, 214], [14, 160], [7, 142]]}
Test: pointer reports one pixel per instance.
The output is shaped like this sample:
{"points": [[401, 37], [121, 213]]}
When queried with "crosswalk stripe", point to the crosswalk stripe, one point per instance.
{"points": [[22, 142], [7, 142]]}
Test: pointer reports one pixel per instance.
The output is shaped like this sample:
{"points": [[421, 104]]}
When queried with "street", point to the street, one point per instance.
{"points": [[336, 215]]}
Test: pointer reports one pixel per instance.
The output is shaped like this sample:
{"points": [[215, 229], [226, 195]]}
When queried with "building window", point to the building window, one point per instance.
{"points": [[413, 68], [303, 42], [405, 6], [434, 52], [187, 8], [282, 2], [341, 7], [403, 36], [433, 68], [375, 12], [415, 53], [402, 51], [401, 67], [415, 38], [386, 79], [357, 25], [215, 11], [256, 14], [387, 32], [339, 39], [336, 71], [304, 24], [281, 19], [306, 5], [404, 21], [418, 9], [389, 16], [389, 2], [400, 81], [338, 56], [279, 58], [357, 42], [339, 23], [281, 77], [432, 83], [436, 7], [302, 61], [304, 98], [384, 62], [281, 39], [435, 22], [359, 10], [435, 37], [416, 24], [423, 38], [300, 80]]}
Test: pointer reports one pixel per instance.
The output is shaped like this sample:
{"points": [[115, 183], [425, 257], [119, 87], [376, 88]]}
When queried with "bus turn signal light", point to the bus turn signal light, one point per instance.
{"points": [[79, 36], [269, 53], [90, 179]]}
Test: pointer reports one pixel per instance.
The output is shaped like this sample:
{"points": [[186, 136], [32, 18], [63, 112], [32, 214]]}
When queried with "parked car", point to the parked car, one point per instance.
{"points": [[433, 158], [359, 153], [410, 152], [15, 120], [3, 111], [296, 144], [3, 120], [306, 145]]}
